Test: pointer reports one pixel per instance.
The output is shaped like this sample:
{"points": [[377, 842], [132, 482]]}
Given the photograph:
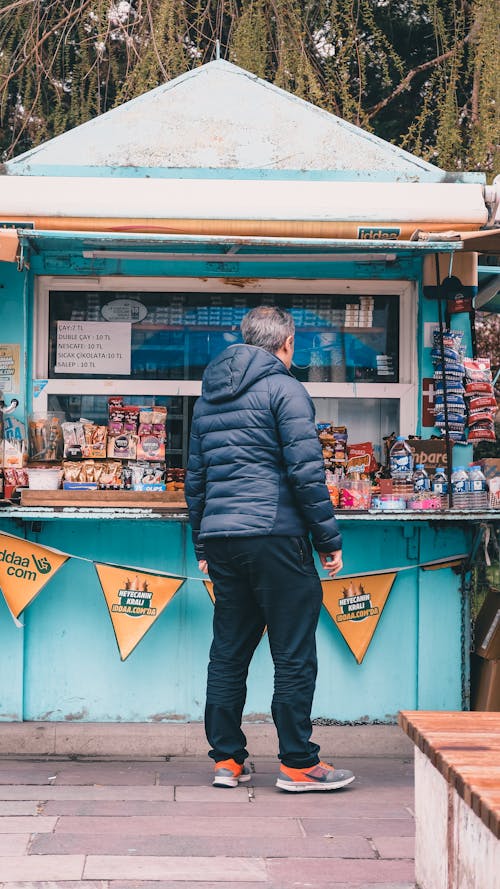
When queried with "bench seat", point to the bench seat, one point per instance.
{"points": [[457, 798]]}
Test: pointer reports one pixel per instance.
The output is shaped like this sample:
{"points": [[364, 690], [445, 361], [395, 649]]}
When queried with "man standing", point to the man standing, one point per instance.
{"points": [[255, 489]]}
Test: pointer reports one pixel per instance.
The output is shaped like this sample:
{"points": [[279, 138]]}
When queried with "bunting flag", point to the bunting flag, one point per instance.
{"points": [[135, 599], [210, 589], [355, 606], [25, 568], [453, 562]]}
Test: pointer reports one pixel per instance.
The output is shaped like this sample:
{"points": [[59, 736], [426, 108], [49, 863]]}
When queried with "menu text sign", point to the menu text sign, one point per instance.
{"points": [[93, 347]]}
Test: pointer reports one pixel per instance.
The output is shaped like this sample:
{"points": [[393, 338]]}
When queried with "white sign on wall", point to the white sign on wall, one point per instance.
{"points": [[93, 347]]}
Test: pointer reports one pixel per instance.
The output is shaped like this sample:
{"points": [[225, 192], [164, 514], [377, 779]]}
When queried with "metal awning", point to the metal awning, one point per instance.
{"points": [[218, 248]]}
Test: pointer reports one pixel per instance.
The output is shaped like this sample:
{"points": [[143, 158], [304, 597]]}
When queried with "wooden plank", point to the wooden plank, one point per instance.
{"points": [[465, 748], [115, 499]]}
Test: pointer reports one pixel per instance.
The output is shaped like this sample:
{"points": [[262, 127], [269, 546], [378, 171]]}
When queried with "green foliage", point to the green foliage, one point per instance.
{"points": [[420, 73]]}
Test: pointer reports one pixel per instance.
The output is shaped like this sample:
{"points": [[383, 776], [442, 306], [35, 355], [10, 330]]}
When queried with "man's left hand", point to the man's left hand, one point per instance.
{"points": [[332, 562], [203, 566]]}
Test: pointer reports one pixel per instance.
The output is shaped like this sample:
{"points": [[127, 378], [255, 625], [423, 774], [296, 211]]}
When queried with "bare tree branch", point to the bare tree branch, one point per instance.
{"points": [[405, 83]]}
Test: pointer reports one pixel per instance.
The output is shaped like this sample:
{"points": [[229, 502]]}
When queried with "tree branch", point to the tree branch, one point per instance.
{"points": [[405, 83]]}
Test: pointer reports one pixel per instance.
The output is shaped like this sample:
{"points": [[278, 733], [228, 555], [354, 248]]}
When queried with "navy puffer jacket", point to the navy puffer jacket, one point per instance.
{"points": [[255, 463]]}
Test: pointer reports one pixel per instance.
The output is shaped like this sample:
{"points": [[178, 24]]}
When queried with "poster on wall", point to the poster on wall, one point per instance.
{"points": [[93, 347], [10, 380]]}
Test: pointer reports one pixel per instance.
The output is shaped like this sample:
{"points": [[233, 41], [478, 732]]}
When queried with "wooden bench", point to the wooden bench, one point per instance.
{"points": [[457, 798]]}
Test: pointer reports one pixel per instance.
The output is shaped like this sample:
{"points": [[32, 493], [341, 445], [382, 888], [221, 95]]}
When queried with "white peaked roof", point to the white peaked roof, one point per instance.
{"points": [[220, 117]]}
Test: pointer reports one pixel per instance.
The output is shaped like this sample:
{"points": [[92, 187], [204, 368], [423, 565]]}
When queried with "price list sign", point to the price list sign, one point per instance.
{"points": [[93, 347]]}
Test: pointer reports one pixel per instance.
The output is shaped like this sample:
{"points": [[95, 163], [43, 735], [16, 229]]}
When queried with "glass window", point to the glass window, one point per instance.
{"points": [[339, 338]]}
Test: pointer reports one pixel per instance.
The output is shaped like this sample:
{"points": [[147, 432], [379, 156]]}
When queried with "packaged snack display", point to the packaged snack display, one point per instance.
{"points": [[424, 502], [360, 458], [355, 494], [122, 446], [14, 453], [448, 378], [480, 395], [95, 441], [45, 438]]}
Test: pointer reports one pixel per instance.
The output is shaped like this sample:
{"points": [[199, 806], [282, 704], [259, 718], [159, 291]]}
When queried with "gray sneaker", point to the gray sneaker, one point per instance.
{"points": [[318, 777], [230, 773]]}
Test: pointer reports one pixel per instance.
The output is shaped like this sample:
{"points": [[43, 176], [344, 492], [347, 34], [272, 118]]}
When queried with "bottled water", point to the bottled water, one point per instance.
{"points": [[440, 485], [460, 488], [440, 481], [478, 488], [420, 479], [401, 459]]}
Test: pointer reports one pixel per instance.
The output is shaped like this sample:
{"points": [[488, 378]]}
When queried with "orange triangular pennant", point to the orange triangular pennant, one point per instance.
{"points": [[355, 605], [453, 562], [25, 568], [210, 590], [135, 600]]}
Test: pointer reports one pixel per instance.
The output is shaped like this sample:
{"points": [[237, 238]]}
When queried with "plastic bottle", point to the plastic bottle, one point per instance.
{"points": [[440, 481], [401, 459], [420, 479], [460, 488], [478, 488]]}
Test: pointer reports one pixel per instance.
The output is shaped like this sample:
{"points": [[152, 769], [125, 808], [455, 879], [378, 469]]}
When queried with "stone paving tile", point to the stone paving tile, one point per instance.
{"points": [[353, 792], [365, 827], [189, 884], [194, 845], [288, 806], [211, 794], [116, 792], [323, 805], [394, 846], [223, 870], [105, 774], [42, 867], [131, 808], [10, 775], [313, 871], [13, 844], [27, 824], [180, 826], [59, 884], [18, 807]]}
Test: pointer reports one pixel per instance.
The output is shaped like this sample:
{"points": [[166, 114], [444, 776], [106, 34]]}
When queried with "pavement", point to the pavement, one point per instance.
{"points": [[159, 824]]}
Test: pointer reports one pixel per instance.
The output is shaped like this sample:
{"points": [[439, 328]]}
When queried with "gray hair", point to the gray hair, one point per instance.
{"points": [[267, 327]]}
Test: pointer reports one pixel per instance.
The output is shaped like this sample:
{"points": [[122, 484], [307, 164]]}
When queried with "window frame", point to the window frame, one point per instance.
{"points": [[405, 391]]}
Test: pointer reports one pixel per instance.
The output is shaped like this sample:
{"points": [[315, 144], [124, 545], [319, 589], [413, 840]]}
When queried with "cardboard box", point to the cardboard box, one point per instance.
{"points": [[485, 685], [487, 628], [490, 466], [431, 452]]}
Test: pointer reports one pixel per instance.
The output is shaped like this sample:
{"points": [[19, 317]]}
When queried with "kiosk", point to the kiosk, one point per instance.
{"points": [[150, 231]]}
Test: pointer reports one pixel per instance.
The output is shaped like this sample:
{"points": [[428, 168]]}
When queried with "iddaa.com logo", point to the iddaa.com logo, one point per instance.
{"points": [[20, 566]]}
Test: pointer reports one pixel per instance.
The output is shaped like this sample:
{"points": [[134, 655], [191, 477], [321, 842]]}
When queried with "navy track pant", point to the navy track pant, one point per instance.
{"points": [[258, 582]]}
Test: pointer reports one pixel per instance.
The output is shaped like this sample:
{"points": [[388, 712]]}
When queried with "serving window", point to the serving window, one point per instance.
{"points": [[151, 339], [173, 335]]}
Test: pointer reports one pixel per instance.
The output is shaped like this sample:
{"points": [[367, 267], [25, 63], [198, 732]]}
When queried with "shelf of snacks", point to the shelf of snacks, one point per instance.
{"points": [[411, 480], [125, 462]]}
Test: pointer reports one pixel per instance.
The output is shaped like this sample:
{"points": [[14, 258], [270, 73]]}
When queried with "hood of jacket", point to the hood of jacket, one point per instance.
{"points": [[236, 369]]}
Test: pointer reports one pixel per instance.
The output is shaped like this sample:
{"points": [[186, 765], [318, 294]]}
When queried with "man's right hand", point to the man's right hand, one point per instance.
{"points": [[203, 566], [332, 562]]}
